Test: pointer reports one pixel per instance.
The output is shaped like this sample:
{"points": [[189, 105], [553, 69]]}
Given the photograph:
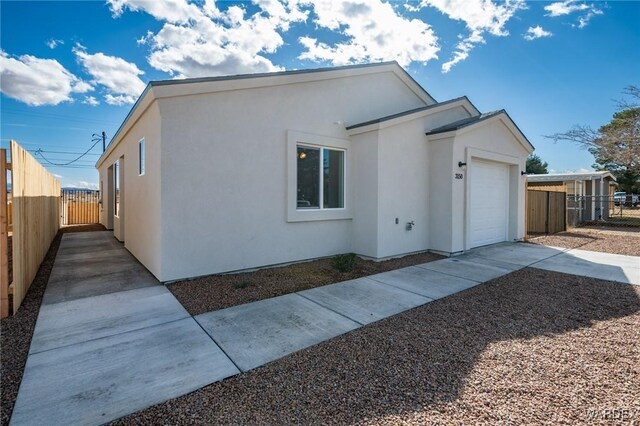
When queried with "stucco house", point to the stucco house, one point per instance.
{"points": [[211, 175], [590, 193]]}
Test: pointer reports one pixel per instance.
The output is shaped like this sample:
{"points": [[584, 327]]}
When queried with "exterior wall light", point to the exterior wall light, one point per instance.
{"points": [[461, 164], [522, 173]]}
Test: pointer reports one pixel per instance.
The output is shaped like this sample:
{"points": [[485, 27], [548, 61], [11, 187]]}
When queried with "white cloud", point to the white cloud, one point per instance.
{"points": [[82, 184], [374, 32], [53, 43], [568, 7], [175, 11], [37, 81], [118, 76], [200, 40], [480, 17], [90, 100], [536, 32]]}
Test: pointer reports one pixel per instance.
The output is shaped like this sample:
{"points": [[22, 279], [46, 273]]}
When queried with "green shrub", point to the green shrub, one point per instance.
{"points": [[241, 285], [345, 262]]}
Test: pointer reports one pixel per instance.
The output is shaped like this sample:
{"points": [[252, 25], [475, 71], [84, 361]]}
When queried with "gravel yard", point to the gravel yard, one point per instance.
{"points": [[16, 331], [606, 240], [213, 292], [530, 347]]}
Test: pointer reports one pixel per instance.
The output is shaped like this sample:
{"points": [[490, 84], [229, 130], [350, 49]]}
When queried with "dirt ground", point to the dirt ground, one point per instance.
{"points": [[222, 291], [532, 347], [607, 240]]}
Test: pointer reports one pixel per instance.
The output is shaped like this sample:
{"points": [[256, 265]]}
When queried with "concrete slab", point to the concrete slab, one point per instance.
{"points": [[81, 320], [365, 300], [95, 285], [516, 253], [595, 265], [94, 382], [425, 282], [260, 332], [465, 269], [472, 257]]}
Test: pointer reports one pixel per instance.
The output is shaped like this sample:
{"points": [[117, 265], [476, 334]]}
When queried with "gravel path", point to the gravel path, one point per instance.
{"points": [[615, 241], [213, 292], [16, 331], [530, 347]]}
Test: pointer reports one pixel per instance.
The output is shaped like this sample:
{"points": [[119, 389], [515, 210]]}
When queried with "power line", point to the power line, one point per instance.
{"points": [[63, 152], [95, 141], [57, 116]]}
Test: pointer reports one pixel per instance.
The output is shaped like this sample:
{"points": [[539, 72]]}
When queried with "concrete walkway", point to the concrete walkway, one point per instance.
{"points": [[110, 340]]}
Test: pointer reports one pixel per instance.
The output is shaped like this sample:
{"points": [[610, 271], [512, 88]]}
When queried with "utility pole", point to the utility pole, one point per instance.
{"points": [[104, 141]]}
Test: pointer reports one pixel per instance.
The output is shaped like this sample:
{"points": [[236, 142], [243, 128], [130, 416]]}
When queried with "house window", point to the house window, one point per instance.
{"points": [[320, 178], [116, 188], [141, 157]]}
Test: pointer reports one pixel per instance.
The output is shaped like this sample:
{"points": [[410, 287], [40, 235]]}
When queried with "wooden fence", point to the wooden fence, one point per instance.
{"points": [[546, 212], [35, 194], [4, 235], [80, 206]]}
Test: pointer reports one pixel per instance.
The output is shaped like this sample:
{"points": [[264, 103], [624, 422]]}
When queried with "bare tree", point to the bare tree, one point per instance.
{"points": [[615, 145]]}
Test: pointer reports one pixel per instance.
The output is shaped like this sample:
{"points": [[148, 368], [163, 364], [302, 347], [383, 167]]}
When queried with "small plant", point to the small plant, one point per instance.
{"points": [[345, 262], [241, 285]]}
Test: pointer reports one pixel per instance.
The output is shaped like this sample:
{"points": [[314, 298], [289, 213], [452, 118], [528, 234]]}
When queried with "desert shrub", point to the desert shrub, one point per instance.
{"points": [[345, 262]]}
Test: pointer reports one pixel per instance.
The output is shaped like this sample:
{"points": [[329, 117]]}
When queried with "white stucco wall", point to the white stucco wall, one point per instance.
{"points": [[139, 223], [492, 141], [224, 170]]}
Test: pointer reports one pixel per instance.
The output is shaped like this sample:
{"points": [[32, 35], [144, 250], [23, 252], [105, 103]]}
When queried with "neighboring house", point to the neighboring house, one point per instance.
{"points": [[590, 192], [211, 175]]}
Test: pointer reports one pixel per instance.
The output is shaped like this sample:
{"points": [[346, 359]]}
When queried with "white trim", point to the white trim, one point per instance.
{"points": [[142, 157], [294, 139]]}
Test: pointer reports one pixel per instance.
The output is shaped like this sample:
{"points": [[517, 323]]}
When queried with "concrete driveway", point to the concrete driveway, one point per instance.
{"points": [[110, 340]]}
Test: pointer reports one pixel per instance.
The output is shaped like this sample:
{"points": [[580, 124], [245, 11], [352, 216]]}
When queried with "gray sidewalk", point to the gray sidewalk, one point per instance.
{"points": [[110, 340]]}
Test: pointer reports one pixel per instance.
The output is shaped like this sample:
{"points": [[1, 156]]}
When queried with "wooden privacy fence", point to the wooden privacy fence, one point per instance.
{"points": [[4, 236], [546, 212], [80, 206], [35, 195]]}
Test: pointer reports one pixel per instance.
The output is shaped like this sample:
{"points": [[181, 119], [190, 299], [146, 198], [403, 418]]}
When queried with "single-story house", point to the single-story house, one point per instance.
{"points": [[591, 192], [212, 175]]}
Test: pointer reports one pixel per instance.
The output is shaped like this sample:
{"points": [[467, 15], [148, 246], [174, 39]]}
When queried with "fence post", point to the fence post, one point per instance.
{"points": [[4, 235]]}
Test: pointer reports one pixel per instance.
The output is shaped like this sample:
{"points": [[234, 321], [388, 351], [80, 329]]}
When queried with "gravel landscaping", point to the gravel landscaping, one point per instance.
{"points": [[16, 331], [213, 292], [530, 347], [616, 240]]}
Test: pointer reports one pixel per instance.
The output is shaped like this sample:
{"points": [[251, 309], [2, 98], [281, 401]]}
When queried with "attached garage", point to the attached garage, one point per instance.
{"points": [[489, 206]]}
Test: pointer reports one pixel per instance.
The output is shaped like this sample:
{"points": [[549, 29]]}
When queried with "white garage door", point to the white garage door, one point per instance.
{"points": [[489, 199]]}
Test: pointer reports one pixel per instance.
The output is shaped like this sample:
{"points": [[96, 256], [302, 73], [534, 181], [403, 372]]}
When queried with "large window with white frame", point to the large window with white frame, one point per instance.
{"points": [[320, 177], [141, 157]]}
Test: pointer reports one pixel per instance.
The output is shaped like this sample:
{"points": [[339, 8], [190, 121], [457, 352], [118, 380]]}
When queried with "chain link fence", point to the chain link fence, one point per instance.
{"points": [[603, 210]]}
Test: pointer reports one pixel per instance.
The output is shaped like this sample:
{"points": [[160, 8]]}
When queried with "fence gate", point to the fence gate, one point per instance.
{"points": [[546, 212], [79, 206]]}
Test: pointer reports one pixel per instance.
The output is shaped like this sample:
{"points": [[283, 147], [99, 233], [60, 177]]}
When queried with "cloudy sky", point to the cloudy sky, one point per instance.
{"points": [[74, 68]]}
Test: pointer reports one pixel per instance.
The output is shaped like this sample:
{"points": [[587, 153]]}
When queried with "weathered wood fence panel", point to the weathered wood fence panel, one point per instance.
{"points": [[546, 212], [4, 234], [36, 218]]}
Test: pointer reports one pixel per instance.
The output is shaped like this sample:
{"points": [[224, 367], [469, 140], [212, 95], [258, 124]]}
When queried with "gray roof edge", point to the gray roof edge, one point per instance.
{"points": [[284, 73], [407, 112], [457, 125]]}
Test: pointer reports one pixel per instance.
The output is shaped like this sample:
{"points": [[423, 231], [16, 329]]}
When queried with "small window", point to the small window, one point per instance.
{"points": [[116, 187], [320, 178], [141, 157]]}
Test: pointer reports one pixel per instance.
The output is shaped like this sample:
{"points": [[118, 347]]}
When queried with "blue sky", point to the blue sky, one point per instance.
{"points": [[71, 69]]}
